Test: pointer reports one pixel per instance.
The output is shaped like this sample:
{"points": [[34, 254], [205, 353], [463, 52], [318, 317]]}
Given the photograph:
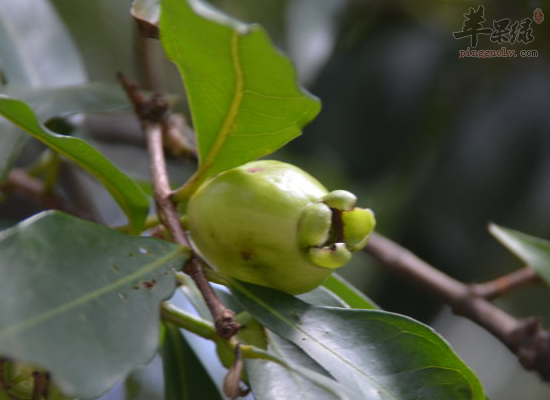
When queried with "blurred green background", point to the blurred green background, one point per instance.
{"points": [[437, 145]]}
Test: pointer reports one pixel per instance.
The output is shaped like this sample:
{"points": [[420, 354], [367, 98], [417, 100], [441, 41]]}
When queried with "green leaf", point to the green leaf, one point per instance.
{"points": [[35, 51], [272, 381], [533, 251], [63, 101], [82, 300], [278, 363], [13, 140], [126, 192], [184, 375], [243, 95], [298, 371], [348, 293], [379, 354], [321, 296]]}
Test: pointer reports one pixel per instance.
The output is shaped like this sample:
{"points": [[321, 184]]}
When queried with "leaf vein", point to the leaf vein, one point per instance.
{"points": [[312, 338], [53, 312], [267, 96], [264, 115]]}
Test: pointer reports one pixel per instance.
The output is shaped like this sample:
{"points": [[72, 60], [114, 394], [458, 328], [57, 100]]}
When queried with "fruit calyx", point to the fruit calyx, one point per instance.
{"points": [[333, 227]]}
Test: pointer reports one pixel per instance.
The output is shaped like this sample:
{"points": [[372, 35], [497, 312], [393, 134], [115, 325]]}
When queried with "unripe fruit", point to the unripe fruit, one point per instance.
{"points": [[272, 224]]}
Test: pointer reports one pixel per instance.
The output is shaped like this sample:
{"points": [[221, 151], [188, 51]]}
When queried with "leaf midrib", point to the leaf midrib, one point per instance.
{"points": [[231, 115], [53, 312], [288, 322], [294, 376]]}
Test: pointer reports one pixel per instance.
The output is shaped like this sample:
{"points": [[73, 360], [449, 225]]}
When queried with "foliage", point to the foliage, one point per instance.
{"points": [[126, 192], [242, 92], [533, 251], [84, 284], [82, 300]]}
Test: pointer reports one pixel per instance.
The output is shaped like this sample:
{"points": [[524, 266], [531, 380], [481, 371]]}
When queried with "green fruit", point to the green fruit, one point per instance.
{"points": [[272, 224]]}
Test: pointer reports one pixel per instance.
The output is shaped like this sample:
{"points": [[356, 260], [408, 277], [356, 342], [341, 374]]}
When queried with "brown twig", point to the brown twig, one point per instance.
{"points": [[153, 113], [525, 337], [166, 208], [20, 181], [224, 318], [506, 284]]}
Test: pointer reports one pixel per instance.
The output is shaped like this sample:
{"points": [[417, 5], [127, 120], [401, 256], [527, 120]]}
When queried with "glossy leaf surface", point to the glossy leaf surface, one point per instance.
{"points": [[272, 381], [378, 354], [84, 299], [244, 99], [125, 191]]}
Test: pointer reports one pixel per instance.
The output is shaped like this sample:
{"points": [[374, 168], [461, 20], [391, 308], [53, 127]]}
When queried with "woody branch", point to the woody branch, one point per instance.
{"points": [[524, 337]]}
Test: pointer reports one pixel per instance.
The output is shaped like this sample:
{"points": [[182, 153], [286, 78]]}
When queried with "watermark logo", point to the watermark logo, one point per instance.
{"points": [[503, 31], [473, 26], [538, 16]]}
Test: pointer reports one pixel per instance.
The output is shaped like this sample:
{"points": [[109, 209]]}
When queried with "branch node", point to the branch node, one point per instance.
{"points": [[531, 343], [226, 326], [224, 318], [154, 108]]}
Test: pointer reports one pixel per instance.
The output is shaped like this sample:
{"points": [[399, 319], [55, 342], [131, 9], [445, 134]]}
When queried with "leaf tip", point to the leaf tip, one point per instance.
{"points": [[493, 228]]}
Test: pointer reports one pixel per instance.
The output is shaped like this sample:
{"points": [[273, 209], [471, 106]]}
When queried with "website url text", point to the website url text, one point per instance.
{"points": [[503, 52]]}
